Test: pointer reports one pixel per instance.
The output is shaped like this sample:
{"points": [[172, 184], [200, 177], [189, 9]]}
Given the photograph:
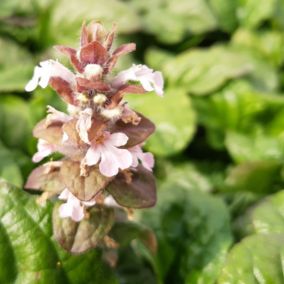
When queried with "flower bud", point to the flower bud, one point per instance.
{"points": [[93, 71], [82, 98], [99, 99], [113, 113]]}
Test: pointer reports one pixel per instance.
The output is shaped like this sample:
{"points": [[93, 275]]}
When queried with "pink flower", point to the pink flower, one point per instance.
{"points": [[44, 149], [46, 70], [150, 80], [146, 159], [111, 158], [73, 208]]}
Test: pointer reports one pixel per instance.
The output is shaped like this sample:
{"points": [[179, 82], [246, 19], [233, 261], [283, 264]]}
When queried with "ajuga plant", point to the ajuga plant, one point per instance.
{"points": [[103, 172]]}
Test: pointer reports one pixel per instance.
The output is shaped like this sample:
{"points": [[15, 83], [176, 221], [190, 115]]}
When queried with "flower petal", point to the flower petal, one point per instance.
{"points": [[84, 123], [108, 165], [123, 157], [118, 139], [149, 79], [77, 213], [44, 150], [147, 160], [92, 156], [64, 194], [65, 210], [32, 84], [72, 208]]}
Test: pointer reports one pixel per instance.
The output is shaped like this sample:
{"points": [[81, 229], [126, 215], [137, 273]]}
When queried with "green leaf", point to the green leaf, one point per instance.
{"points": [[193, 234], [254, 146], [16, 67], [256, 259], [133, 268], [251, 13], [225, 12], [244, 119], [174, 119], [268, 44], [125, 232], [156, 57], [258, 177], [202, 71], [9, 168], [40, 100], [28, 253], [68, 15], [186, 175], [8, 8], [177, 20], [266, 217], [78, 237], [15, 122]]}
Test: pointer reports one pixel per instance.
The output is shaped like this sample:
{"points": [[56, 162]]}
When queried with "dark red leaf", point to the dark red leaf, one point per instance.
{"points": [[122, 50], [64, 89], [118, 96], [84, 85], [78, 237], [46, 178], [84, 35], [136, 134], [83, 187], [132, 89], [109, 39], [72, 54], [93, 53], [52, 133], [139, 193]]}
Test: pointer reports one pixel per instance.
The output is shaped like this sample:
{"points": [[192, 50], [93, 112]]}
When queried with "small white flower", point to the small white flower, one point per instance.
{"points": [[93, 71], [113, 113], [99, 99], [44, 149], [110, 202], [46, 70], [150, 80], [84, 123], [73, 208]]}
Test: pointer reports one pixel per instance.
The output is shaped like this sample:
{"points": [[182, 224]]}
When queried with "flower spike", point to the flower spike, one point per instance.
{"points": [[103, 167]]}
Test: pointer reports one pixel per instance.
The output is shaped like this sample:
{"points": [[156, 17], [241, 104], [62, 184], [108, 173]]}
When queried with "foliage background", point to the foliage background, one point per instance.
{"points": [[219, 144]]}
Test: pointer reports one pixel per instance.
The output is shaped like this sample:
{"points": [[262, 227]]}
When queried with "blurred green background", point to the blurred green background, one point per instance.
{"points": [[219, 144]]}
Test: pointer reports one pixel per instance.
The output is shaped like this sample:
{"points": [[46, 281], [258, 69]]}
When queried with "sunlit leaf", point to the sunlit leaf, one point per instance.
{"points": [[33, 256], [265, 217], [251, 13], [174, 119], [256, 259], [202, 71]]}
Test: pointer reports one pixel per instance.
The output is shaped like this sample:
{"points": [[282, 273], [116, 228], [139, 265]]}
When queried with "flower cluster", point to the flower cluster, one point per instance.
{"points": [[100, 137]]}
